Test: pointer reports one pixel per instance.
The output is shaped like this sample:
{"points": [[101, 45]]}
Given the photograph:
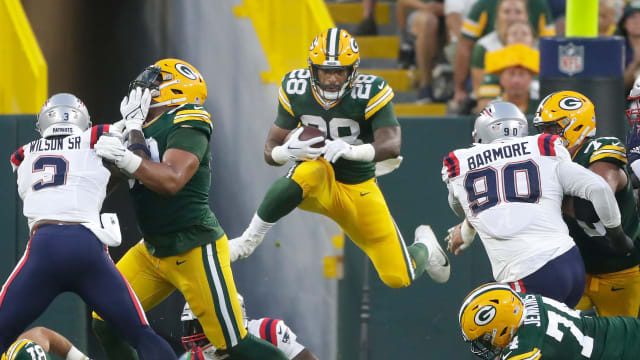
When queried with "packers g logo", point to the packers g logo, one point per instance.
{"points": [[570, 103], [354, 45], [186, 71], [485, 315]]}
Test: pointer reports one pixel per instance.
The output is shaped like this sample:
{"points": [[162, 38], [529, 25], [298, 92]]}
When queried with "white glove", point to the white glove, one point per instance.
{"points": [[338, 148], [297, 150], [111, 148], [117, 127], [135, 107], [243, 246]]}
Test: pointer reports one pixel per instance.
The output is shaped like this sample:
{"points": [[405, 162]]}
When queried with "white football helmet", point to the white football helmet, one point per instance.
{"points": [[498, 121], [633, 111], [63, 114]]}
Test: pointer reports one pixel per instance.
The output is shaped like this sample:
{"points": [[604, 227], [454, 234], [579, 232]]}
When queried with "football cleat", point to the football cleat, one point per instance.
{"points": [[438, 266]]}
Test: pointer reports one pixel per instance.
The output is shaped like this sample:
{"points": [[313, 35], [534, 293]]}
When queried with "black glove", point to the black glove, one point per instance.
{"points": [[618, 240]]}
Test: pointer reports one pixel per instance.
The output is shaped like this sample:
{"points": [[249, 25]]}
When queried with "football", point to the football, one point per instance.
{"points": [[309, 132]]}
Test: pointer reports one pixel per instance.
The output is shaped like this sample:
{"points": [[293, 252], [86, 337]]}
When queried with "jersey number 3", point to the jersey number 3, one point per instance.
{"points": [[54, 169], [520, 182]]}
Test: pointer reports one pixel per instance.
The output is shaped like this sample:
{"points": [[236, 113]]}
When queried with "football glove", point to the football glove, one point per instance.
{"points": [[112, 149], [633, 149], [135, 107], [338, 148], [297, 150], [243, 246]]}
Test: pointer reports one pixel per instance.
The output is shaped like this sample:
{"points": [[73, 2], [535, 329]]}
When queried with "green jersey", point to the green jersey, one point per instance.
{"points": [[353, 119], [25, 349], [172, 224], [598, 259], [482, 17], [550, 330]]}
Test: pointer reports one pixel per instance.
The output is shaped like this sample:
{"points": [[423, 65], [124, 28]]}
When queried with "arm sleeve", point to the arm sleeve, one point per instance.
{"points": [[189, 139], [583, 183]]}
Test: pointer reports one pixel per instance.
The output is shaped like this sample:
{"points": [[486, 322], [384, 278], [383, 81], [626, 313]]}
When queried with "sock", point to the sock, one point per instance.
{"points": [[114, 346], [283, 196], [420, 256], [253, 348]]}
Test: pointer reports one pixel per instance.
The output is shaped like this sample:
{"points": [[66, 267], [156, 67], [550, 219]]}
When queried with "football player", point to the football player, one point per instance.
{"points": [[62, 182], [271, 330], [503, 324], [613, 280], [356, 114], [510, 189], [183, 246], [38, 342], [633, 136]]}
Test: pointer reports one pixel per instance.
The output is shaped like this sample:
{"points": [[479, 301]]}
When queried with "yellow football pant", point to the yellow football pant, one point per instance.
{"points": [[614, 294], [202, 275], [362, 213]]}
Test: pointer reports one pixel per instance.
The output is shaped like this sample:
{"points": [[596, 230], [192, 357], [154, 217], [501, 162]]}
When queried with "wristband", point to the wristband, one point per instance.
{"points": [[130, 162], [365, 152], [75, 354], [468, 233]]}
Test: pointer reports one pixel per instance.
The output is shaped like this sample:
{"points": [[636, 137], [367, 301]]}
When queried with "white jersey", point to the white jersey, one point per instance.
{"points": [[62, 178], [277, 333], [511, 193]]}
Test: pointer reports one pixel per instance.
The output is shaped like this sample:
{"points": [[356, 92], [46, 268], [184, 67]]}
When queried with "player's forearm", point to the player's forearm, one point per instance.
{"points": [[160, 177], [387, 143], [49, 340], [268, 149], [138, 145]]}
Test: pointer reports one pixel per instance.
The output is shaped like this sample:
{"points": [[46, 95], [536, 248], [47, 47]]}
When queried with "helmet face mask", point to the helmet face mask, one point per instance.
{"points": [[568, 114], [333, 50], [633, 112], [172, 82], [63, 114]]}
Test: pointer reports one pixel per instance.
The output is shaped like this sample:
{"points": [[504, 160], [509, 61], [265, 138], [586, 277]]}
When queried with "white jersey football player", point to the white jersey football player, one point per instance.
{"points": [[509, 187], [274, 331], [62, 183]]}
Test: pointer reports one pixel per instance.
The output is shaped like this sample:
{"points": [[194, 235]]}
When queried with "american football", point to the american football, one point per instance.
{"points": [[309, 132]]}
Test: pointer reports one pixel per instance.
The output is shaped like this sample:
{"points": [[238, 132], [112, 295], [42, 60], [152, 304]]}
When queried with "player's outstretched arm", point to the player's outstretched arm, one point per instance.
{"points": [[387, 142], [51, 341], [170, 175]]}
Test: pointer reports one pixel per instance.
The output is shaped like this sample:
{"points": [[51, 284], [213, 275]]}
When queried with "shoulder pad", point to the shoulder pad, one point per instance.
{"points": [[374, 90], [193, 115], [607, 149]]}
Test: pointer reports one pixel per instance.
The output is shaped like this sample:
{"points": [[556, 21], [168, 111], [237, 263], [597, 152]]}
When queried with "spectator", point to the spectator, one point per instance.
{"points": [[424, 24], [368, 24], [509, 11], [629, 26], [454, 12], [516, 65], [607, 17], [481, 21], [519, 32]]}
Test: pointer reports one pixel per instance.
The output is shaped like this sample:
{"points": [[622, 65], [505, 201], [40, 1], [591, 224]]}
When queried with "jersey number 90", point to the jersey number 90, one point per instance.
{"points": [[519, 182]]}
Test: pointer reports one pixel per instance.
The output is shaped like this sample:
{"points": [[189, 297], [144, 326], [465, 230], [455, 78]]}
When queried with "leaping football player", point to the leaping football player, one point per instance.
{"points": [[356, 114]]}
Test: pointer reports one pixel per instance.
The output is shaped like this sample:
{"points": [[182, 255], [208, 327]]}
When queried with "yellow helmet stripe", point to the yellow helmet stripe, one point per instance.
{"points": [[378, 102], [284, 101], [534, 354]]}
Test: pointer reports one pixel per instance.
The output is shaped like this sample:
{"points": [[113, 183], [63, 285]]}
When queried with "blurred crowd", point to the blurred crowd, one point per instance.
{"points": [[468, 52]]}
